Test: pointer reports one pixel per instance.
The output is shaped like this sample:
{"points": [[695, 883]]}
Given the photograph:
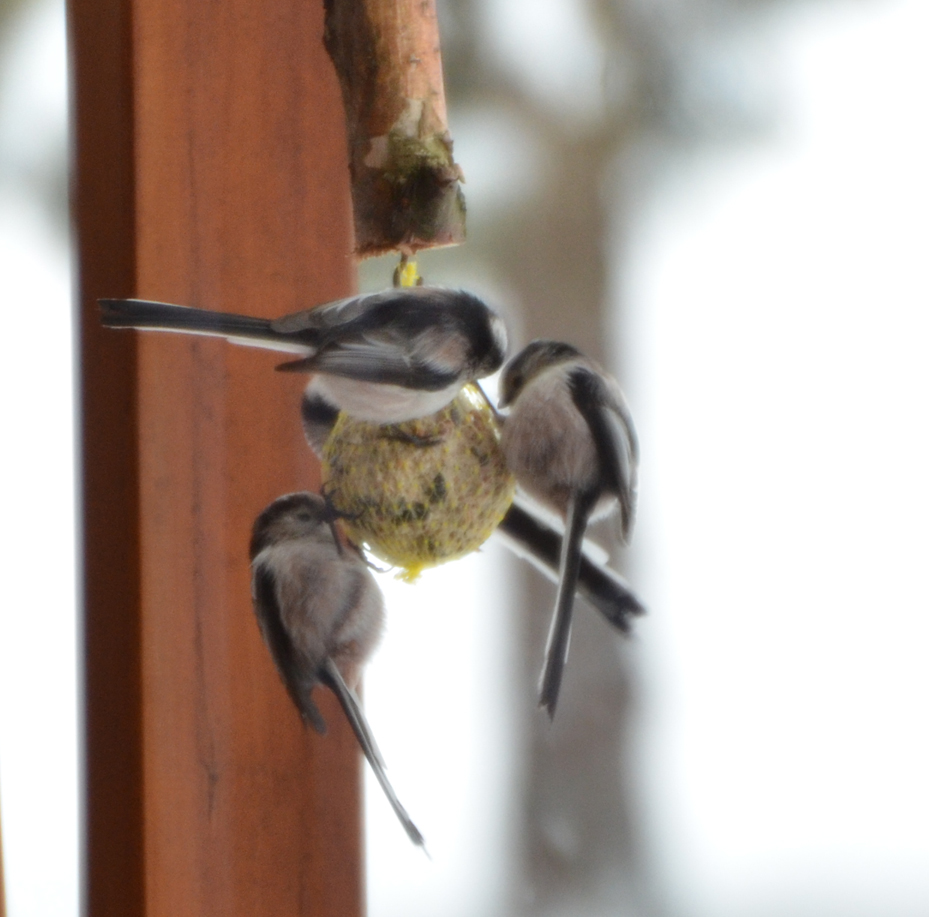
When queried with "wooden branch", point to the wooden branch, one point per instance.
{"points": [[210, 170], [405, 182]]}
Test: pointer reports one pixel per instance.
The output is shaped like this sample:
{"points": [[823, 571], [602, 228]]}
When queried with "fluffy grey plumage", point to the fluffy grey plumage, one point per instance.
{"points": [[570, 441], [321, 614]]}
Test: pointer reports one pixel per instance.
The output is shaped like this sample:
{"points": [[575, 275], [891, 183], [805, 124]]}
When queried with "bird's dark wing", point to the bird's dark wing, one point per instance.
{"points": [[402, 337], [299, 683], [604, 409], [374, 359], [328, 318], [535, 541], [409, 307], [332, 678], [399, 312]]}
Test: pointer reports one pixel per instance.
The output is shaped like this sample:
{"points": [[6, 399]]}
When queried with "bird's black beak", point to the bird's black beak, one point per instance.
{"points": [[331, 516]]}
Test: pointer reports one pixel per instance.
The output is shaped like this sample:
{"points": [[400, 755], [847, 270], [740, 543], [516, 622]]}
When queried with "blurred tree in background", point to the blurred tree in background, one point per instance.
{"points": [[583, 106]]}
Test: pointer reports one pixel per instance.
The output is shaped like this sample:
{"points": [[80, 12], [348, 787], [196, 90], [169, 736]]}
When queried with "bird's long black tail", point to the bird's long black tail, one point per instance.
{"points": [[332, 677], [556, 651], [160, 316], [534, 540]]}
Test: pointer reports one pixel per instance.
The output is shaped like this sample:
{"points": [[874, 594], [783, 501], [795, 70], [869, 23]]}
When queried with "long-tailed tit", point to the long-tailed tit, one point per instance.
{"points": [[570, 442], [384, 357], [321, 614]]}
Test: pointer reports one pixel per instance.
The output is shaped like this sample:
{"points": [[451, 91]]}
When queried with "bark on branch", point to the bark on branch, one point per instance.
{"points": [[405, 182]]}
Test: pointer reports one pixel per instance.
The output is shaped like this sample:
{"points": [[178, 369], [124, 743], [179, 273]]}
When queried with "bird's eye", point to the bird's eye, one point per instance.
{"points": [[304, 516]]}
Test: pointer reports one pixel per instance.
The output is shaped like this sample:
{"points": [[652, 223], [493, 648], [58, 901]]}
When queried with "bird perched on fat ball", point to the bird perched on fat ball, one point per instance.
{"points": [[321, 614], [570, 442], [383, 357]]}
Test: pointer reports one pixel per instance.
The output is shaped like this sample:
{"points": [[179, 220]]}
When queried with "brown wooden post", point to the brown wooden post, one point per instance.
{"points": [[210, 170]]}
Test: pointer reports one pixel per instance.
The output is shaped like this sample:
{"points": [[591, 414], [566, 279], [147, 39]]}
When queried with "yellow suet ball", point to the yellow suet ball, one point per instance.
{"points": [[424, 491]]}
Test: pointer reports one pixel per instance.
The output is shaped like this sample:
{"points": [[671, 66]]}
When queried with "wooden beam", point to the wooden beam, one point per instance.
{"points": [[210, 170]]}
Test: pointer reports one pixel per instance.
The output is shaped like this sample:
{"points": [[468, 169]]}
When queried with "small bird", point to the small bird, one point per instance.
{"points": [[384, 357], [570, 442], [321, 614]]}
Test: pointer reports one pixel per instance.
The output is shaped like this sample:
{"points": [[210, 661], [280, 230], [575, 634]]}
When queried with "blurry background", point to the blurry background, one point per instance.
{"points": [[725, 202], [38, 704]]}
